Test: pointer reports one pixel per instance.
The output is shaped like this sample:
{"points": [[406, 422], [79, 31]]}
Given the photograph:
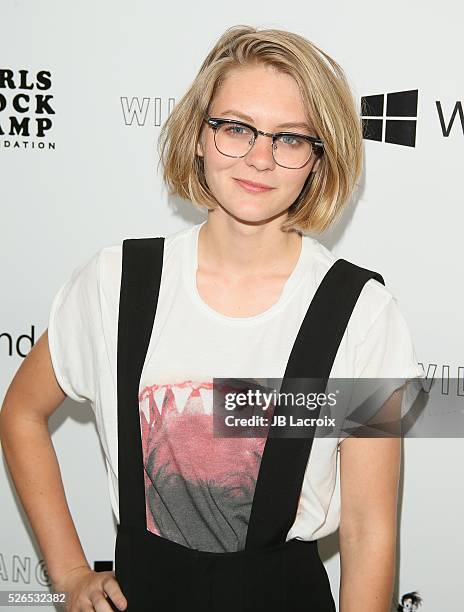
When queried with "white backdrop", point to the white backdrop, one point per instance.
{"points": [[115, 69]]}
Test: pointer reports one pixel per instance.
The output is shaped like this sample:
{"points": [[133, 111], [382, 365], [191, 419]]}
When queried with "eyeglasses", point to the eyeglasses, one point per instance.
{"points": [[236, 139]]}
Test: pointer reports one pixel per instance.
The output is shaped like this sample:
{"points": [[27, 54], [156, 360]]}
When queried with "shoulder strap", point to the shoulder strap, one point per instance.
{"points": [[331, 308], [285, 456], [142, 262]]}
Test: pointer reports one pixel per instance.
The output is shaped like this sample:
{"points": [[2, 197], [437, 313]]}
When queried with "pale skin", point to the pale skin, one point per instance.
{"points": [[244, 260]]}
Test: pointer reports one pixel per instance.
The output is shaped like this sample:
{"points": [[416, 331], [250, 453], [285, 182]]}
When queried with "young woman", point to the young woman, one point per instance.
{"points": [[268, 140]]}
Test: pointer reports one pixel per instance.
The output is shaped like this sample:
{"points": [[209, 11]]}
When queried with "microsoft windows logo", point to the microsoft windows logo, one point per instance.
{"points": [[389, 122]]}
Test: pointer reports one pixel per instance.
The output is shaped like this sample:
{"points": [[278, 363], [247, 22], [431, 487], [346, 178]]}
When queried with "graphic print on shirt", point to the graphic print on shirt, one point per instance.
{"points": [[198, 488]]}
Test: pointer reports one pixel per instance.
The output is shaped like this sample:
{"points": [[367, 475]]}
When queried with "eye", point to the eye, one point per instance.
{"points": [[291, 140], [235, 129]]}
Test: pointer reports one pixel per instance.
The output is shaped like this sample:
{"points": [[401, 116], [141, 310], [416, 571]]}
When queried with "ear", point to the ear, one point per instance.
{"points": [[316, 165], [200, 146]]}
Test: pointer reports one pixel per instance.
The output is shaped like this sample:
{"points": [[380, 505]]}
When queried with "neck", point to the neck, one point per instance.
{"points": [[237, 249]]}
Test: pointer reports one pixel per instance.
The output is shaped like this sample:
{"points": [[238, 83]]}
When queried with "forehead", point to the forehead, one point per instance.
{"points": [[262, 92]]}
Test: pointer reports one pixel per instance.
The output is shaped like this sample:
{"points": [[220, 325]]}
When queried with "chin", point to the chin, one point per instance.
{"points": [[252, 214]]}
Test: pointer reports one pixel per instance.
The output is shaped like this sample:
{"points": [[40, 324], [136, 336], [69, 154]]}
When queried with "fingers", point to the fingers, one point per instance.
{"points": [[115, 595], [98, 602], [103, 595]]}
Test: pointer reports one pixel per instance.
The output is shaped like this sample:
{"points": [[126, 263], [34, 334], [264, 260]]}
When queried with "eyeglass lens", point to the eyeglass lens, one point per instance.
{"points": [[236, 140]]}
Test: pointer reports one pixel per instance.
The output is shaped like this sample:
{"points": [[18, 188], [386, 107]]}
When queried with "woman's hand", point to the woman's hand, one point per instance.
{"points": [[88, 590]]}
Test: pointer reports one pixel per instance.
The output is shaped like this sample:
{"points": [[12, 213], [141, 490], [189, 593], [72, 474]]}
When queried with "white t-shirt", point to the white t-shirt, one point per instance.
{"points": [[201, 487]]}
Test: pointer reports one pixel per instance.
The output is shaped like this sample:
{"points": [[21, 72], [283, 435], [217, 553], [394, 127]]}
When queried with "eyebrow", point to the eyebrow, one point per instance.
{"points": [[288, 124]]}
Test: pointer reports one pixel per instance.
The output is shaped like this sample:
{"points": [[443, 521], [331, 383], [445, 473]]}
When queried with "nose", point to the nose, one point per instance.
{"points": [[260, 155]]}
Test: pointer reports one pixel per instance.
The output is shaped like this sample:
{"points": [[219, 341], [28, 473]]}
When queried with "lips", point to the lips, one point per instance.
{"points": [[252, 186]]}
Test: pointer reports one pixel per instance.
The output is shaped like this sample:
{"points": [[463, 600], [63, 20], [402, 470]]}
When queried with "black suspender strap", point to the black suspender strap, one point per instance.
{"points": [[284, 459], [142, 263]]}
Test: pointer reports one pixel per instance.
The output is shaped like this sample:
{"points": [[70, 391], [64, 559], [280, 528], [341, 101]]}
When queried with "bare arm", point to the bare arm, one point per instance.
{"points": [[31, 398], [369, 475]]}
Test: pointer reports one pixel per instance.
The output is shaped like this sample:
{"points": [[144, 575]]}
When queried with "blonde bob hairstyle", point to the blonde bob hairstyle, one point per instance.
{"points": [[330, 110]]}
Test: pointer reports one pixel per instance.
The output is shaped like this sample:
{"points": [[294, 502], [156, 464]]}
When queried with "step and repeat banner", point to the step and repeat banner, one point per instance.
{"points": [[84, 89]]}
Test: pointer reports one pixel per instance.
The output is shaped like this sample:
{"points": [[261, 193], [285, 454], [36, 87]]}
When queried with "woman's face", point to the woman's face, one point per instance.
{"points": [[268, 99]]}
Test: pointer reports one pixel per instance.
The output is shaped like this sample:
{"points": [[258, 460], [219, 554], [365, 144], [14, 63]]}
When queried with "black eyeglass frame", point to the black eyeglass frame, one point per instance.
{"points": [[216, 122]]}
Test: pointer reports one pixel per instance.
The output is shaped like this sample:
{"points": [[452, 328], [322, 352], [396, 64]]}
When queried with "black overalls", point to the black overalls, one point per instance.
{"points": [[270, 574]]}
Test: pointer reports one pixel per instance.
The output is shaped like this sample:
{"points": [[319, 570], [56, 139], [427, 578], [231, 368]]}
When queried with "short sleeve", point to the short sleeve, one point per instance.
{"points": [[387, 350], [75, 332], [387, 356]]}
